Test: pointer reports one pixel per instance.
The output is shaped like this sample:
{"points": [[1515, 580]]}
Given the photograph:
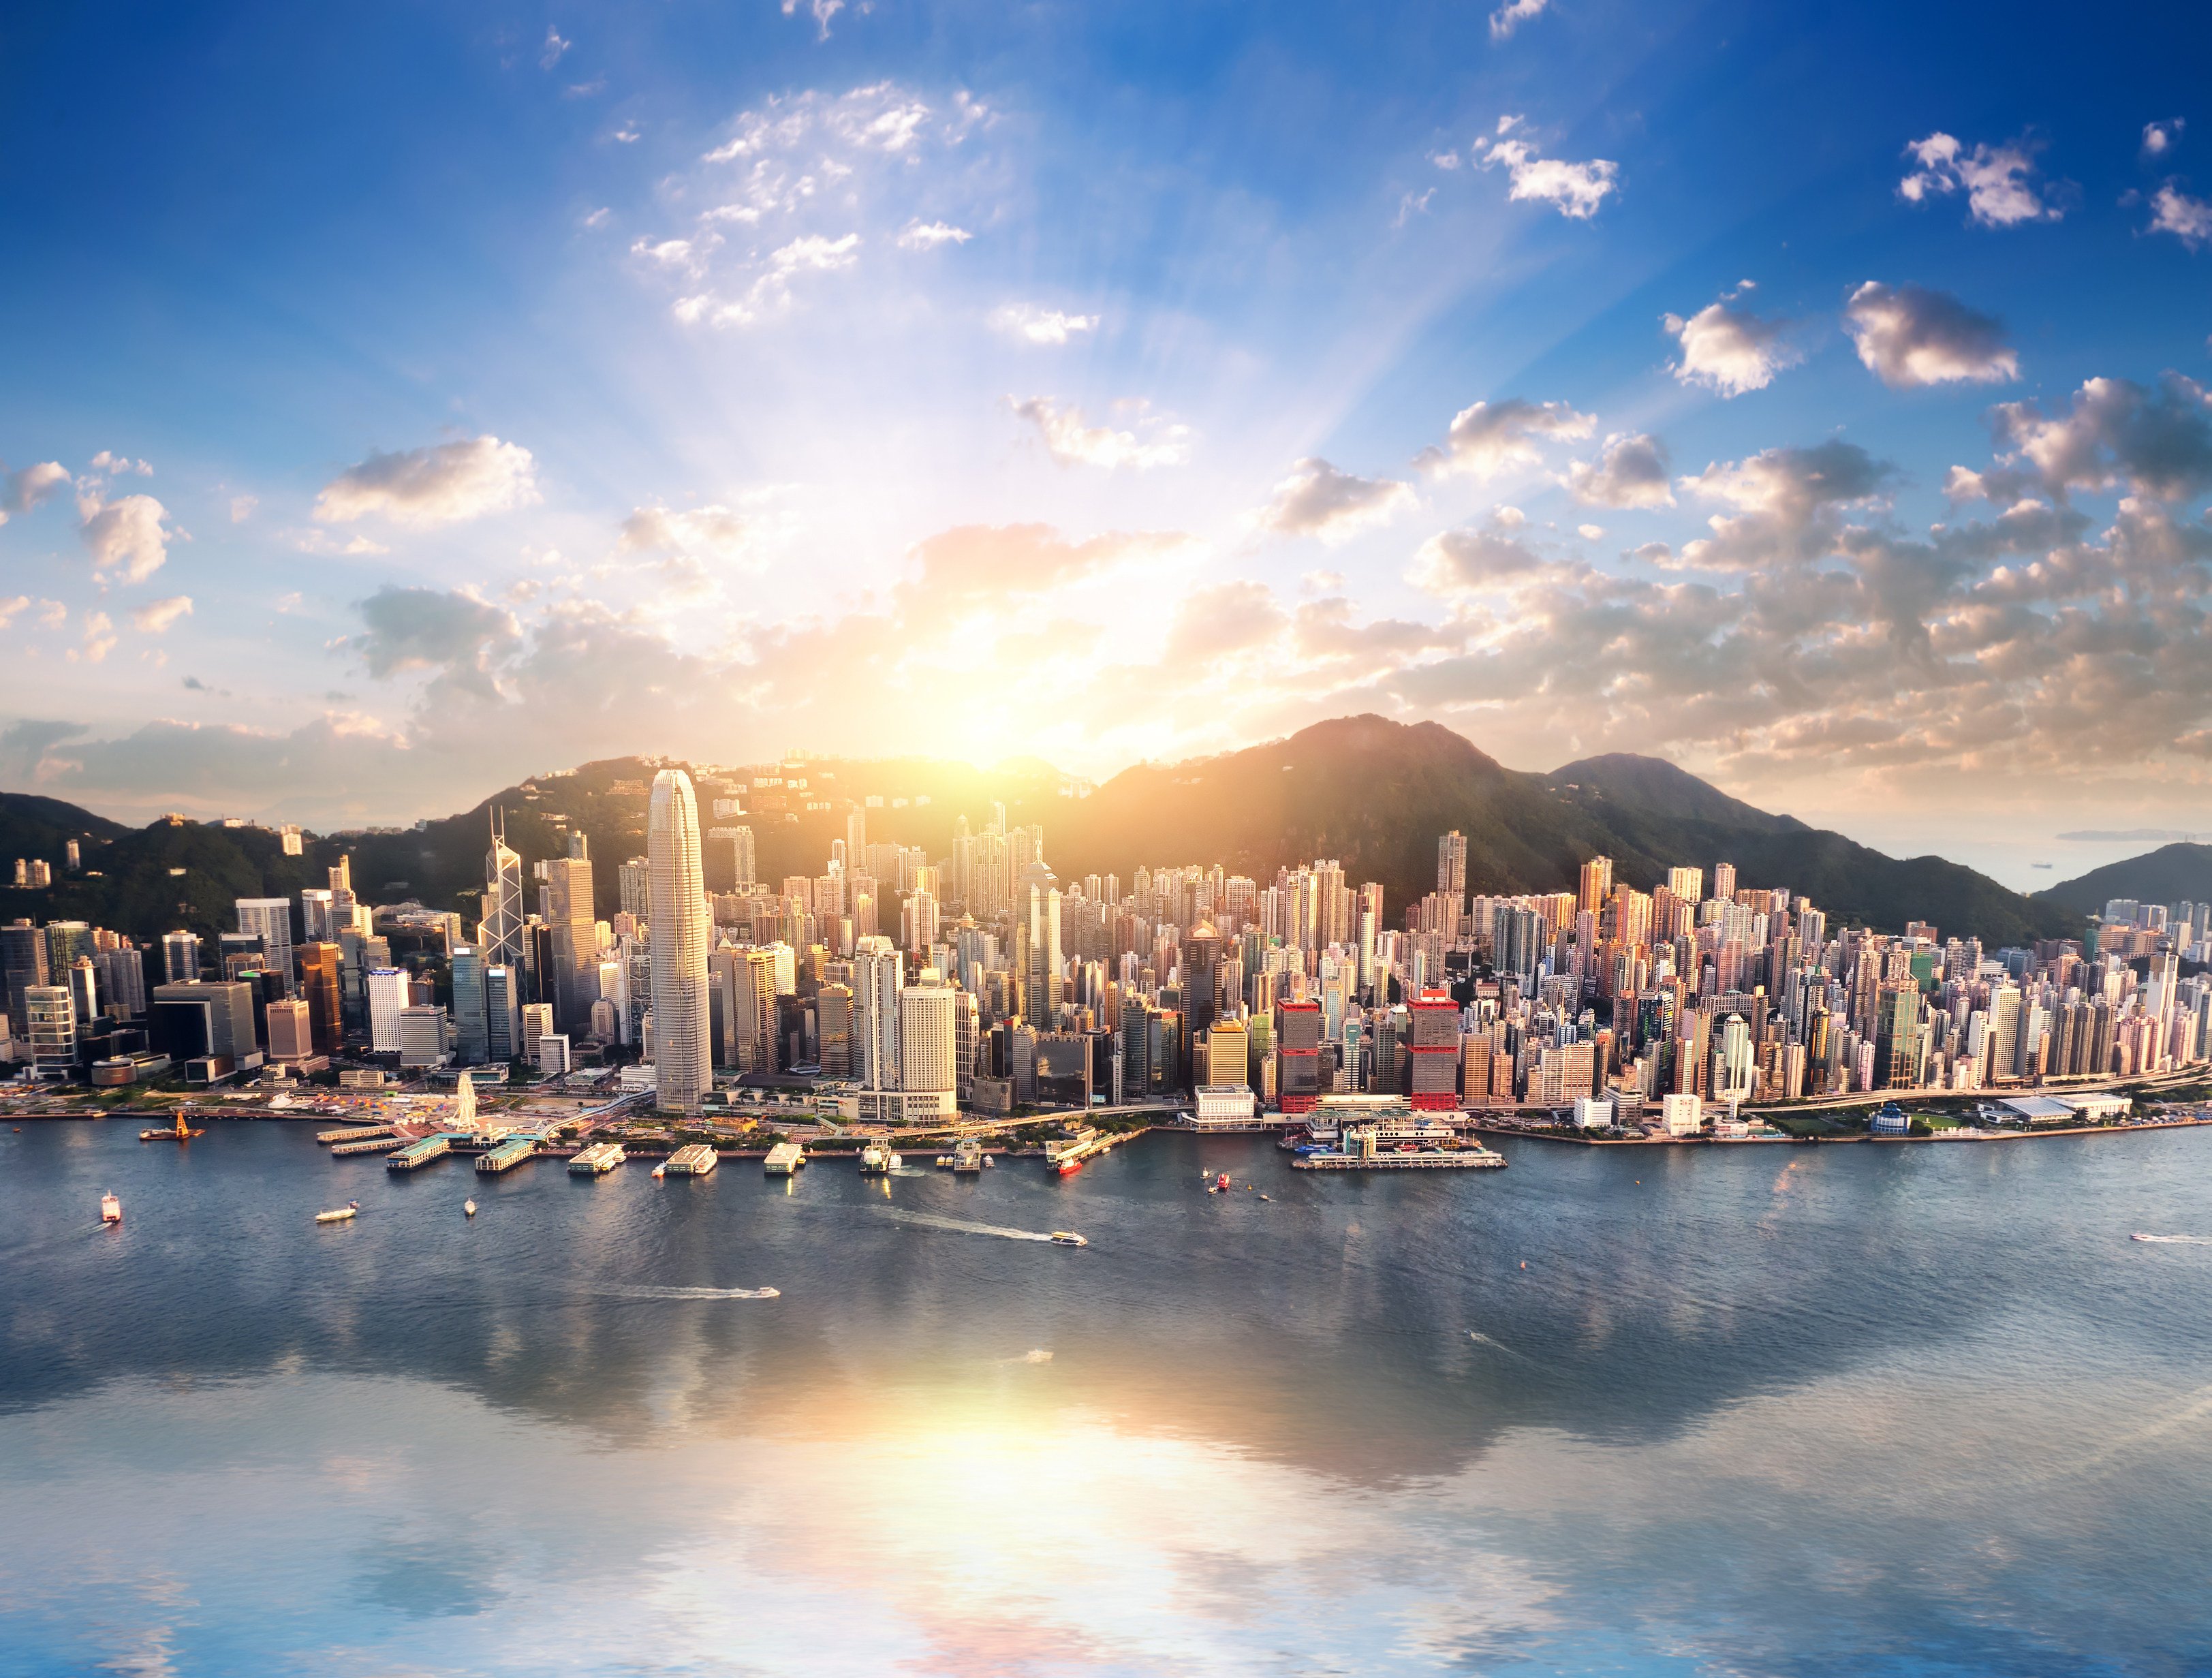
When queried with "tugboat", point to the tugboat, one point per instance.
{"points": [[110, 1209], [180, 1132]]}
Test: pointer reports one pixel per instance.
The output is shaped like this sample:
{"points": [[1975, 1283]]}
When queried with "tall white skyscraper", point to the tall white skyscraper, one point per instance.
{"points": [[499, 934], [928, 1033], [878, 978], [683, 1045]]}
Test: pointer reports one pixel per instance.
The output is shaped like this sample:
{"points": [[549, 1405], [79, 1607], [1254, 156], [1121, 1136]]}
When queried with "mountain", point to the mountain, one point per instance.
{"points": [[1374, 795], [1369, 792], [2170, 874]]}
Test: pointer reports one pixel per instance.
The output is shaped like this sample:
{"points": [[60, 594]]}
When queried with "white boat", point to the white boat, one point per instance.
{"points": [[895, 1162], [468, 1209], [1068, 1238], [988, 1162], [875, 1158], [338, 1214], [661, 1171], [110, 1209]]}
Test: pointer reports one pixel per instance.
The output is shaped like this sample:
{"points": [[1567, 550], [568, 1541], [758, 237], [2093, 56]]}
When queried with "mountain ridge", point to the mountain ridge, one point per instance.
{"points": [[1372, 792]]}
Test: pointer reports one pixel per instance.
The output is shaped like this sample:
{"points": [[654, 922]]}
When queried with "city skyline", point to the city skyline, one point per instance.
{"points": [[746, 377]]}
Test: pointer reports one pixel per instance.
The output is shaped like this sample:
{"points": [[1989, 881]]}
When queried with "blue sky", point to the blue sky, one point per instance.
{"points": [[402, 400]]}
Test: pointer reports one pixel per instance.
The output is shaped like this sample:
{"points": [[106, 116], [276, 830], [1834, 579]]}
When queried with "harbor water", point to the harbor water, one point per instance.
{"points": [[1724, 1410]]}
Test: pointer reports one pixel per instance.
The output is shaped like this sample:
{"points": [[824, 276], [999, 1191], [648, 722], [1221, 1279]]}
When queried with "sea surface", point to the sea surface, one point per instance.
{"points": [[1752, 1410]]}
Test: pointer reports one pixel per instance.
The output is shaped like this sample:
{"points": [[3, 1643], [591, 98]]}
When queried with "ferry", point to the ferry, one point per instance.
{"points": [[875, 1159], [968, 1155], [1068, 1238], [468, 1209], [338, 1214], [110, 1209]]}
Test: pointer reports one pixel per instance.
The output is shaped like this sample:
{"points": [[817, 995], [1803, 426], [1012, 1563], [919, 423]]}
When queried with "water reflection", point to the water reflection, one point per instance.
{"points": [[1800, 1410]]}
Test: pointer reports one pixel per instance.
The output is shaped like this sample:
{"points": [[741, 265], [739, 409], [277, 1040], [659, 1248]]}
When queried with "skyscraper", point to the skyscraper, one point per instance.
{"points": [[270, 919], [1451, 866], [575, 917], [23, 960], [928, 1035], [683, 1046], [500, 933], [876, 982], [180, 958], [471, 1012]]}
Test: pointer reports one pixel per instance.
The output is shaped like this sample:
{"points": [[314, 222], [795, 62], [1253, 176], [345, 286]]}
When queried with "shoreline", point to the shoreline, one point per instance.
{"points": [[1861, 1136]]}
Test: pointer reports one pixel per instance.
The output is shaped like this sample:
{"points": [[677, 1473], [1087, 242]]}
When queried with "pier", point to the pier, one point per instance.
{"points": [[598, 1159], [695, 1160], [355, 1133], [509, 1154], [371, 1145], [1461, 1160], [420, 1152]]}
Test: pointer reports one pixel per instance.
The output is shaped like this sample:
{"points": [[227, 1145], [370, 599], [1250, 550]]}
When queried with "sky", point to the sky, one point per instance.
{"points": [[403, 399]]}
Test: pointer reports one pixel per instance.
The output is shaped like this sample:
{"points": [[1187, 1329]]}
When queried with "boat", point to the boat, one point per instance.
{"points": [[1263, 1197], [110, 1209], [875, 1159], [989, 1161], [943, 1161], [1069, 1166], [661, 1171], [180, 1132], [338, 1214], [1068, 1238], [895, 1162], [968, 1155], [1220, 1184], [468, 1209]]}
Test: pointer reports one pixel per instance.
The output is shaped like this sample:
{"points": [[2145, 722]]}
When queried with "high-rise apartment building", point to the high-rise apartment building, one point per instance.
{"points": [[928, 1042], [682, 1048], [1451, 866], [878, 979], [180, 958], [23, 959]]}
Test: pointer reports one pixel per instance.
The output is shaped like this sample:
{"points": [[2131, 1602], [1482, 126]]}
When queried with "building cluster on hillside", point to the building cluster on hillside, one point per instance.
{"points": [[911, 986]]}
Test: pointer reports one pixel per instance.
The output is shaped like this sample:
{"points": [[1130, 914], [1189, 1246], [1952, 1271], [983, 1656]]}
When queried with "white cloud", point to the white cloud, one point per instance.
{"points": [[1072, 443], [554, 46], [770, 291], [1910, 336], [1317, 500], [241, 507], [1590, 532], [599, 217], [441, 484], [28, 486], [715, 532], [928, 235], [1511, 16], [1728, 349], [125, 535], [1490, 436], [2160, 137], [1037, 324], [106, 461], [2189, 220], [1466, 561], [2156, 441], [99, 637], [1631, 471], [312, 541], [156, 615], [11, 606], [53, 614], [820, 10], [1576, 190], [627, 134], [1996, 180]]}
